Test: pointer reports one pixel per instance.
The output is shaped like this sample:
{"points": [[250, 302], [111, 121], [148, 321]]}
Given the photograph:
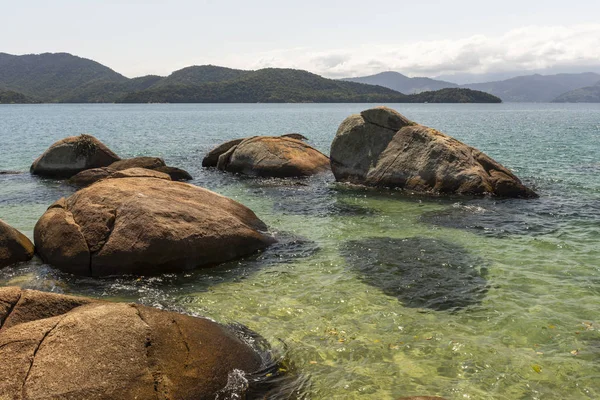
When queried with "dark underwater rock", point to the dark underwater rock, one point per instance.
{"points": [[421, 272]]}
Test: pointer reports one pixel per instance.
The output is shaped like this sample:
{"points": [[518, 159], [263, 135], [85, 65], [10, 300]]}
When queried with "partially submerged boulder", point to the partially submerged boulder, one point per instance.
{"points": [[138, 162], [380, 147], [153, 163], [146, 226], [71, 155], [139, 173], [268, 156], [89, 176], [64, 347], [212, 158], [297, 136], [14, 246]]}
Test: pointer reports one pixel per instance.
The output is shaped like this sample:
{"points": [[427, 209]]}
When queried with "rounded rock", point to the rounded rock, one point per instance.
{"points": [[14, 246], [146, 226], [64, 347], [72, 155]]}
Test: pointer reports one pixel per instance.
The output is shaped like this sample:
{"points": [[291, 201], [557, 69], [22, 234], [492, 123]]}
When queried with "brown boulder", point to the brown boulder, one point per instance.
{"points": [[176, 174], [269, 156], [63, 347], [380, 147], [139, 173], [153, 163], [14, 246], [71, 155], [138, 162], [212, 158], [146, 226], [296, 136], [89, 176]]}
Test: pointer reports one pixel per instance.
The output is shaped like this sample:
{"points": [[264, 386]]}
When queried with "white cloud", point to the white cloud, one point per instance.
{"points": [[527, 48]]}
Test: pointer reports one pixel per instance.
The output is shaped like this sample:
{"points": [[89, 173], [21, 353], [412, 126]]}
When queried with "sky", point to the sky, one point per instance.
{"points": [[332, 38]]}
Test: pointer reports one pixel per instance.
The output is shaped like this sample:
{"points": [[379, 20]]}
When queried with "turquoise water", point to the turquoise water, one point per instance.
{"points": [[371, 294]]}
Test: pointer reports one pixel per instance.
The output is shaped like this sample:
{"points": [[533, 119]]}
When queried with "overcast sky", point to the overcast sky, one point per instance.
{"points": [[331, 38]]}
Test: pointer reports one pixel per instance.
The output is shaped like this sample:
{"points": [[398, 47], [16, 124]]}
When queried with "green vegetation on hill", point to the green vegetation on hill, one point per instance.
{"points": [[50, 76], [270, 85], [64, 78], [12, 97], [590, 94], [453, 95], [200, 74]]}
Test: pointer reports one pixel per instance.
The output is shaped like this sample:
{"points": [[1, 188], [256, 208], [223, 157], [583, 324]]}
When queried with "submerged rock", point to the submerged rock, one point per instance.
{"points": [[268, 156], [421, 272], [71, 155], [64, 347], [380, 147], [146, 226], [14, 246]]}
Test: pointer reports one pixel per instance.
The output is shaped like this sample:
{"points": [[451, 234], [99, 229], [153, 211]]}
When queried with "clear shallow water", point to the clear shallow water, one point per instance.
{"points": [[336, 294]]}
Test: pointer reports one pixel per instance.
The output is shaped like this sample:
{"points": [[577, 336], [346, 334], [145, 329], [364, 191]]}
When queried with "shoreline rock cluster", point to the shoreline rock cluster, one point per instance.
{"points": [[131, 217]]}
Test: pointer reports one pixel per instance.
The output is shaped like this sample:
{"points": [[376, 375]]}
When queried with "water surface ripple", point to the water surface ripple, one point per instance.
{"points": [[526, 327]]}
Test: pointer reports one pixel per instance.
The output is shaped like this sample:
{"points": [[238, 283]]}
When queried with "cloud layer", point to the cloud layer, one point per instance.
{"points": [[530, 48]]}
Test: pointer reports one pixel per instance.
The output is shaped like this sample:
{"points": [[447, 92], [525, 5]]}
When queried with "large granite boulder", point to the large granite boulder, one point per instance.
{"points": [[71, 155], [380, 147], [146, 226], [14, 246], [268, 156], [62, 347]]}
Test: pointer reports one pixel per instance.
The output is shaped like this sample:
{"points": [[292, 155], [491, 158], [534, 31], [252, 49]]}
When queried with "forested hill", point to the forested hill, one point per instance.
{"points": [[12, 97], [454, 95], [64, 78], [50, 76], [590, 94], [270, 85]]}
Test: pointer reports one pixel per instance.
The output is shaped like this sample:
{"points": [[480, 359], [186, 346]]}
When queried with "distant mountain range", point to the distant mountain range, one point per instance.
{"points": [[590, 94], [529, 88], [402, 83], [64, 78]]}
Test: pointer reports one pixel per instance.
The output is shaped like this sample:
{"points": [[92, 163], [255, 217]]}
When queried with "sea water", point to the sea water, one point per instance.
{"points": [[370, 294]]}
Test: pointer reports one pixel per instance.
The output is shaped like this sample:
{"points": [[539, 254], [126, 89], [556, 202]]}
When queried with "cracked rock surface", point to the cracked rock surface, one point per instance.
{"points": [[268, 156], [62, 347], [380, 147], [146, 226], [14, 246]]}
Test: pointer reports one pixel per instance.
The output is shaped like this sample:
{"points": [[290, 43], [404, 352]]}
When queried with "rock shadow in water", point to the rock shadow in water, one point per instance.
{"points": [[420, 272], [498, 218], [311, 197], [164, 290]]}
